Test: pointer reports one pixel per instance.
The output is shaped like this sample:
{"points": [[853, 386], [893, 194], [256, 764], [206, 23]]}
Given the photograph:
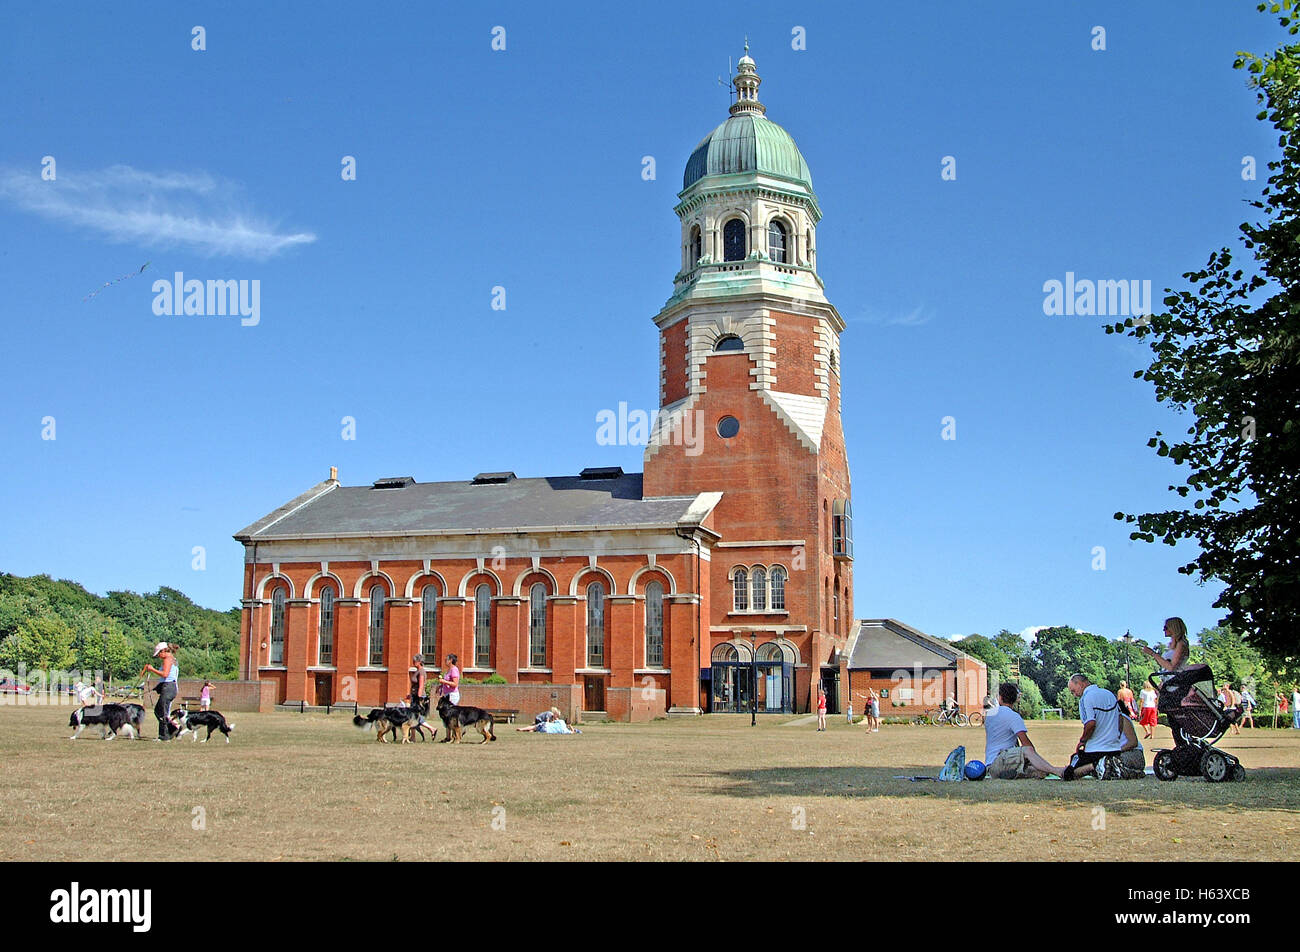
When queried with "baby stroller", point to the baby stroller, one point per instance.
{"points": [[1197, 719]]}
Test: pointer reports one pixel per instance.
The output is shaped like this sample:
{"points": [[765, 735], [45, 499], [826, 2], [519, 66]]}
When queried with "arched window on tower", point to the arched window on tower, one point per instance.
{"points": [[729, 342], [733, 240], [740, 590], [842, 527], [777, 242], [696, 246], [778, 588]]}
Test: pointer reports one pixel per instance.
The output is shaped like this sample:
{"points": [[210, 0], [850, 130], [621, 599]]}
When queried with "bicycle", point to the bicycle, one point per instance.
{"points": [[954, 717]]}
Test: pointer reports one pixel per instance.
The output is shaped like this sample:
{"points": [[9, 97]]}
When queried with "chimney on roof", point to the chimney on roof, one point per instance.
{"points": [[334, 474]]}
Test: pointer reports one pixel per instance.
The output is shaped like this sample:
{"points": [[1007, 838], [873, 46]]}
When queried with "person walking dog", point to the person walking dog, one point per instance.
{"points": [[166, 686]]}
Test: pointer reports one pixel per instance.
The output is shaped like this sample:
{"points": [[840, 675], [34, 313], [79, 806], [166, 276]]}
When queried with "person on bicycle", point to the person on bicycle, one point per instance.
{"points": [[1009, 754]]}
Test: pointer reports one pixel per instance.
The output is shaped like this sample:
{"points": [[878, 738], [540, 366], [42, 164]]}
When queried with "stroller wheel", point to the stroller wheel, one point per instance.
{"points": [[1238, 772], [1163, 765], [1214, 766]]}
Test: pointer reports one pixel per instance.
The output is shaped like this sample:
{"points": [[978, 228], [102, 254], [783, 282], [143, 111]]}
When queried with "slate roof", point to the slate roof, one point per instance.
{"points": [[887, 643], [570, 502]]}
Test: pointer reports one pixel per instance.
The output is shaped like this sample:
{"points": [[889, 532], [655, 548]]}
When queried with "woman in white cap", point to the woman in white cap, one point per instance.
{"points": [[166, 686]]}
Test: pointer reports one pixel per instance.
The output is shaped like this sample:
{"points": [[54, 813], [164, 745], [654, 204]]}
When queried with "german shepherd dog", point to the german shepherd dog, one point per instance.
{"points": [[111, 718], [457, 717], [191, 722], [390, 720]]}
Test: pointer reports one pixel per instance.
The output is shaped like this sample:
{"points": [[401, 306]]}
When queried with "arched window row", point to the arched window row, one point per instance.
{"points": [[539, 595], [758, 589]]}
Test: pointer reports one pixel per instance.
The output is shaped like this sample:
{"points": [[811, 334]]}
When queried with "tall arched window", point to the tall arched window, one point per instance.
{"points": [[777, 242], [759, 584], [537, 626], [733, 240], [596, 625], [277, 626], [740, 590], [483, 626], [429, 622], [778, 588], [377, 625], [842, 529], [654, 625], [697, 246], [325, 634]]}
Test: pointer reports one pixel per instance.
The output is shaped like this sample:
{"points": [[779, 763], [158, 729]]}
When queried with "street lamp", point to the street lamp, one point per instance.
{"points": [[753, 679], [1128, 641], [107, 674]]}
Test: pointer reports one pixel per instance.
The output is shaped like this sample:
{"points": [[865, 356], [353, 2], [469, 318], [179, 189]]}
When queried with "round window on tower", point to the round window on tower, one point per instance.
{"points": [[728, 427]]}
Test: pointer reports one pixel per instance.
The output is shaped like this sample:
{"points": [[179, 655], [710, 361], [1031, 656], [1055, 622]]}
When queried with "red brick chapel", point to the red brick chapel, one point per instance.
{"points": [[719, 578]]}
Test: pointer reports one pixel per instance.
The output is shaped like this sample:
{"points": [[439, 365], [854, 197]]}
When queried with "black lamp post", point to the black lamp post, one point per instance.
{"points": [[753, 679], [103, 656], [1128, 641]]}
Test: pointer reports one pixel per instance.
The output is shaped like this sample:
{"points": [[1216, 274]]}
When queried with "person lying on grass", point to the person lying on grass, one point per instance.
{"points": [[1008, 752]]}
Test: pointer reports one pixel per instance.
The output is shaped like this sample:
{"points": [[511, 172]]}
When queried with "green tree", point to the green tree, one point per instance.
{"points": [[1227, 350], [38, 643]]}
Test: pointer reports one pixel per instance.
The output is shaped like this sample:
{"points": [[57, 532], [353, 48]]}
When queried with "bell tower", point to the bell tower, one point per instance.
{"points": [[749, 388]]}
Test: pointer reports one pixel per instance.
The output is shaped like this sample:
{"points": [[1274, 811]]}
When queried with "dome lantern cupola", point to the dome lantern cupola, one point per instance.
{"points": [[746, 82]]}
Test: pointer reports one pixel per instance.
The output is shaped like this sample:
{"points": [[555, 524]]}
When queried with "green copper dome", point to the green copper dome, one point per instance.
{"points": [[747, 143]]}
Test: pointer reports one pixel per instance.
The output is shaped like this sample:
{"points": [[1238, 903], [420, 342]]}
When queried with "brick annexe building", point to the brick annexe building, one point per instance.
{"points": [[723, 573]]}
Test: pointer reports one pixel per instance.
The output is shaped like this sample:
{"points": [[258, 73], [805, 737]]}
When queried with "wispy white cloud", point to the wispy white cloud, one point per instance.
{"points": [[914, 318], [191, 210], [1029, 633]]}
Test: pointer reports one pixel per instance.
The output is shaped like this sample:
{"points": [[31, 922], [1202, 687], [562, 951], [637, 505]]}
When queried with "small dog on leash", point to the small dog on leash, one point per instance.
{"points": [[191, 722]]}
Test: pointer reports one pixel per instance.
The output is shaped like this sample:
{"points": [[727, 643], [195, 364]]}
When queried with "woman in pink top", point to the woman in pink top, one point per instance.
{"points": [[449, 683], [821, 708]]}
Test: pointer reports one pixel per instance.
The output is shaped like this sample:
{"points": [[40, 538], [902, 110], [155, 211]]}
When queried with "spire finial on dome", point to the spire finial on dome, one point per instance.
{"points": [[746, 83]]}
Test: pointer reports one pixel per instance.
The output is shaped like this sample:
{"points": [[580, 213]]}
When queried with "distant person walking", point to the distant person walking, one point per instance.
{"points": [[821, 708], [1295, 706], [1149, 717], [1125, 695], [205, 696], [1247, 706], [875, 710], [166, 686], [1174, 658]]}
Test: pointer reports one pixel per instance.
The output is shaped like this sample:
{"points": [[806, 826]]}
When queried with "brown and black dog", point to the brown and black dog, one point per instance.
{"points": [[390, 720], [457, 717]]}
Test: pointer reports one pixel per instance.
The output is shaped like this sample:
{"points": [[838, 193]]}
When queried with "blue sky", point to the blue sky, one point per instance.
{"points": [[522, 169]]}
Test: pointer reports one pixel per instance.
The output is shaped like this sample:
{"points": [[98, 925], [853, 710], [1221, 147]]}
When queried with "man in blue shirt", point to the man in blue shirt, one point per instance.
{"points": [[1008, 752], [1102, 735]]}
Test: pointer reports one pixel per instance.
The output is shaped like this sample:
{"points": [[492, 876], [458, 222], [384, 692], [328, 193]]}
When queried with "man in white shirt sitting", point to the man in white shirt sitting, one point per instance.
{"points": [[1102, 735], [1008, 752]]}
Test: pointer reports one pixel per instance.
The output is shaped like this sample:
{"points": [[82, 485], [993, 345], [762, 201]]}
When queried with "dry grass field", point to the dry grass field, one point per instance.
{"points": [[312, 787]]}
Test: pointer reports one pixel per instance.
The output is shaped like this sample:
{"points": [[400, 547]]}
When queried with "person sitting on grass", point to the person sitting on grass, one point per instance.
{"points": [[1102, 736], [543, 718], [1008, 752]]}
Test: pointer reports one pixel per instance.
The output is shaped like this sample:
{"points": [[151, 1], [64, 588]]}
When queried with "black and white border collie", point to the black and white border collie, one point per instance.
{"points": [[191, 722], [111, 718]]}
